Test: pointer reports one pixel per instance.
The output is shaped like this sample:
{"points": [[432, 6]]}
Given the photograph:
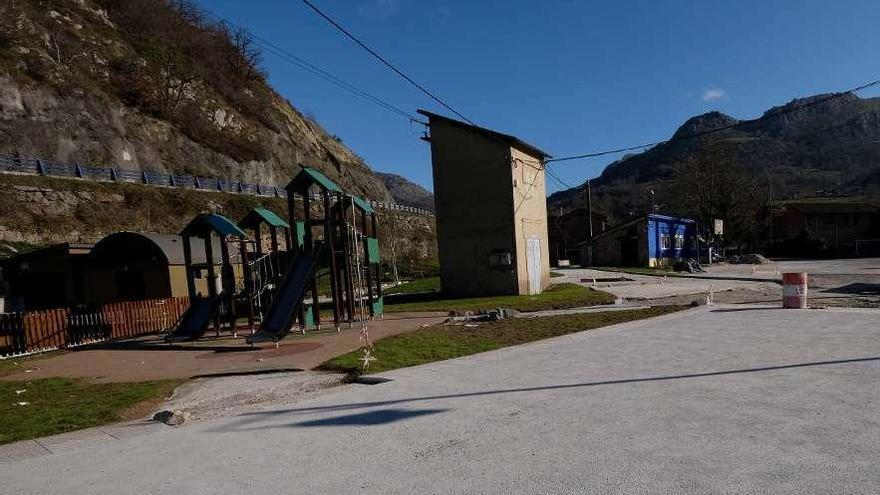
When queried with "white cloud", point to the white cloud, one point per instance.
{"points": [[713, 94]]}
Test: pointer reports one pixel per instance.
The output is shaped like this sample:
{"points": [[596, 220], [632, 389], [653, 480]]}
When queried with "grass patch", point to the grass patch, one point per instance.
{"points": [[560, 296], [429, 284], [59, 405], [438, 343], [556, 274]]}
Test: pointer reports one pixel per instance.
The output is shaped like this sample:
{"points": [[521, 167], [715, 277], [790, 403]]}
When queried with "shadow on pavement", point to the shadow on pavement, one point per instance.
{"points": [[736, 310], [380, 417], [861, 289], [254, 417]]}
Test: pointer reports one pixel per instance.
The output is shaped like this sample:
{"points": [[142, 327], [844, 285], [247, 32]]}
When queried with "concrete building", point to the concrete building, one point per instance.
{"points": [[48, 277], [650, 240], [570, 234], [123, 266], [491, 210], [821, 227]]}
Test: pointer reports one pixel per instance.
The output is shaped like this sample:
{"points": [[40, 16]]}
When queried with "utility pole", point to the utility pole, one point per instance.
{"points": [[590, 223], [590, 209]]}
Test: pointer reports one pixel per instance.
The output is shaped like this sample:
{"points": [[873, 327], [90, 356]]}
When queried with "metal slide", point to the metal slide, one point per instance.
{"points": [[195, 321], [280, 316]]}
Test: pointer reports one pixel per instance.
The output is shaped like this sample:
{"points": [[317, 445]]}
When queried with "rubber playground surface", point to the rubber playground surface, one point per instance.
{"points": [[150, 358]]}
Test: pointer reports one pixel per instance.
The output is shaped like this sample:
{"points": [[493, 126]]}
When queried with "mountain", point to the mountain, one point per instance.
{"points": [[824, 145], [407, 193], [154, 85]]}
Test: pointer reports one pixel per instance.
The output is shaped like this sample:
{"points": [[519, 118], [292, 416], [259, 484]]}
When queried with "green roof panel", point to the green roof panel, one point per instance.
{"points": [[309, 176], [212, 222], [363, 205], [262, 215]]}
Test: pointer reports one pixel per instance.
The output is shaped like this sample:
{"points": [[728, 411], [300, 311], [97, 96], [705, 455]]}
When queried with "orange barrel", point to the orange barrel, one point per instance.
{"points": [[794, 290]]}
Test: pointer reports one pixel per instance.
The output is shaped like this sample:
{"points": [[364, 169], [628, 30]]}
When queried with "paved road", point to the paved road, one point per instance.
{"points": [[642, 287], [714, 400]]}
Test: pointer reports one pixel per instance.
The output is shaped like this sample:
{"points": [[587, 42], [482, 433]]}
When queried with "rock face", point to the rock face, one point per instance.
{"points": [[406, 192], [142, 85], [827, 148]]}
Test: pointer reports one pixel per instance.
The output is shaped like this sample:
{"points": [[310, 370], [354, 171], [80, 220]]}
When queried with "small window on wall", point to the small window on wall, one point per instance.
{"points": [[679, 242], [664, 241]]}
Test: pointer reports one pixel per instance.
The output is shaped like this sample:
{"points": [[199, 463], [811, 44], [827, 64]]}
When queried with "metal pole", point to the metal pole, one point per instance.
{"points": [[590, 222]]}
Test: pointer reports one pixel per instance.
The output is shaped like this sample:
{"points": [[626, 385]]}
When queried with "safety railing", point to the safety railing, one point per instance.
{"points": [[35, 166]]}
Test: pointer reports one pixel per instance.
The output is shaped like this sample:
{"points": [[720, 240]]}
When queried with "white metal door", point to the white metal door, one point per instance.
{"points": [[534, 265]]}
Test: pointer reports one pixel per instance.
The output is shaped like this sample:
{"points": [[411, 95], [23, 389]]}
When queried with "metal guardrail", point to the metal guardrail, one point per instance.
{"points": [[35, 166]]}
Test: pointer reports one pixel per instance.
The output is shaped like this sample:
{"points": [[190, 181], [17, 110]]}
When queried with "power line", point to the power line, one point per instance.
{"points": [[719, 129], [555, 177], [385, 61], [314, 69]]}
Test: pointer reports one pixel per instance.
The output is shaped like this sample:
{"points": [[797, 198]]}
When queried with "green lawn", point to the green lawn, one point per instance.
{"points": [[58, 405], [446, 342], [429, 284], [559, 296], [556, 274]]}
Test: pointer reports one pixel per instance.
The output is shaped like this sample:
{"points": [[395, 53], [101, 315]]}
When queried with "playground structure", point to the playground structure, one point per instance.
{"points": [[331, 236]]}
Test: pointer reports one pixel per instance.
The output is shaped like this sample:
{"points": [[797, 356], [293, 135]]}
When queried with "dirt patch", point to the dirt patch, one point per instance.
{"points": [[150, 358], [148, 407], [270, 352]]}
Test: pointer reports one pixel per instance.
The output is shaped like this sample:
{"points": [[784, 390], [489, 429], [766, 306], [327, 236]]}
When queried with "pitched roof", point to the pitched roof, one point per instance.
{"points": [[363, 205], [506, 138], [262, 215], [308, 176], [212, 222]]}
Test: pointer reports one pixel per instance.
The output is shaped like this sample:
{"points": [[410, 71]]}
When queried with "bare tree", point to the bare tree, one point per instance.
{"points": [[714, 185]]}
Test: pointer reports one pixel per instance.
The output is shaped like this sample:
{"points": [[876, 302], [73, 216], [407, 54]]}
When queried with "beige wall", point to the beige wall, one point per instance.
{"points": [[478, 184], [474, 205], [177, 275], [530, 216]]}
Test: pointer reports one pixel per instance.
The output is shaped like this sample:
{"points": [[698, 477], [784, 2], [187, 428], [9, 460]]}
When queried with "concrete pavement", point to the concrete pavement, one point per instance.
{"points": [[712, 400], [634, 287]]}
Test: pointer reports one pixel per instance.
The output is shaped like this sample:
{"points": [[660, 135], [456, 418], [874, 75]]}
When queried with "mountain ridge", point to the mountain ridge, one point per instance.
{"points": [[831, 146]]}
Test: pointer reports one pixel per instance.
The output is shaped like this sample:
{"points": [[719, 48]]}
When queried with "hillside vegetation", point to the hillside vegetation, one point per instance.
{"points": [[42, 210], [157, 85]]}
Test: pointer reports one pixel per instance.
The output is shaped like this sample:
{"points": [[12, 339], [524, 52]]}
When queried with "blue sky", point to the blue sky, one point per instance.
{"points": [[568, 76]]}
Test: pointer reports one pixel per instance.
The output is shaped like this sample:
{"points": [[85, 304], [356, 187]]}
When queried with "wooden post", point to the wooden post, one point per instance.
{"points": [[309, 246], [212, 278], [228, 282], [334, 270], [375, 223], [187, 264], [250, 289], [348, 301], [369, 266]]}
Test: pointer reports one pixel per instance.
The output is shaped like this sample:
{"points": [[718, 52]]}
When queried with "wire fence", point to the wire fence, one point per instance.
{"points": [[36, 166]]}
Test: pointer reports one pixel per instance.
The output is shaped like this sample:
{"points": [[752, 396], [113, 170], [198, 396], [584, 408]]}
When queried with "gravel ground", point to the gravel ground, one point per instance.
{"points": [[211, 398]]}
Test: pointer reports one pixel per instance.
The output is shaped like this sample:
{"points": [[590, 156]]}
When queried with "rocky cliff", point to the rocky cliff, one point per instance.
{"points": [[154, 85], [407, 193]]}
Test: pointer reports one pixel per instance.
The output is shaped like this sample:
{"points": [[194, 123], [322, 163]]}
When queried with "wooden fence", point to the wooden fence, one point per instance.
{"points": [[40, 331]]}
